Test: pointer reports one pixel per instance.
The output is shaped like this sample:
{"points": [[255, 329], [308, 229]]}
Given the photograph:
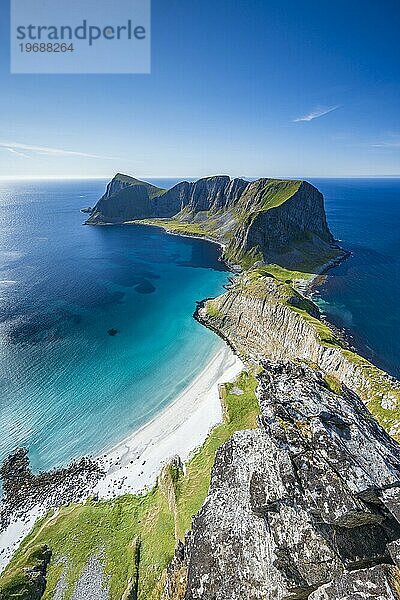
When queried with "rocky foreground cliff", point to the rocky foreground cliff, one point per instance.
{"points": [[269, 219], [305, 506]]}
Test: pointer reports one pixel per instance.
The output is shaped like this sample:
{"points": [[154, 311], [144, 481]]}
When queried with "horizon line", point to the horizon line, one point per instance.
{"points": [[183, 177]]}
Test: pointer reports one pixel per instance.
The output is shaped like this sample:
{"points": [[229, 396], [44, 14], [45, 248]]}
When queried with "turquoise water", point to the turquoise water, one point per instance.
{"points": [[68, 388]]}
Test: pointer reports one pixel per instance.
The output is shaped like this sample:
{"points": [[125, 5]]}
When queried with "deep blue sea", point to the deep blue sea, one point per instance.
{"points": [[363, 294], [68, 388]]}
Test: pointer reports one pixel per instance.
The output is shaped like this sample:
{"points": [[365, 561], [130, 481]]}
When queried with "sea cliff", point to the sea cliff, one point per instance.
{"points": [[261, 316], [271, 220], [296, 493]]}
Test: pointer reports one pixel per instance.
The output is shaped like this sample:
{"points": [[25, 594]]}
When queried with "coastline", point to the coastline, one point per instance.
{"points": [[254, 313], [233, 268], [133, 464], [308, 286]]}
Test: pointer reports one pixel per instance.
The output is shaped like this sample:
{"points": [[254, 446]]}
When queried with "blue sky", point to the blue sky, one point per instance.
{"points": [[262, 88]]}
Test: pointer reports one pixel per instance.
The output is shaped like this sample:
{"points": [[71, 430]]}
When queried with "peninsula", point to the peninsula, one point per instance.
{"points": [[267, 220], [296, 492]]}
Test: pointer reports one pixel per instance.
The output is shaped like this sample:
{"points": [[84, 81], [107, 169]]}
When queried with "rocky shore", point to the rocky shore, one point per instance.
{"points": [[23, 490], [130, 467], [27, 497]]}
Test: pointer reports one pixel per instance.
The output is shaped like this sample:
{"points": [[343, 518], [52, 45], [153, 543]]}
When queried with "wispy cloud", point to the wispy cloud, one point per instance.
{"points": [[392, 141], [16, 152], [44, 150], [317, 112]]}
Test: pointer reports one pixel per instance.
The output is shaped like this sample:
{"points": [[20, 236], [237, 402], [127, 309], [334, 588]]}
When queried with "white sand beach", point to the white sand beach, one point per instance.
{"points": [[13, 535], [134, 463]]}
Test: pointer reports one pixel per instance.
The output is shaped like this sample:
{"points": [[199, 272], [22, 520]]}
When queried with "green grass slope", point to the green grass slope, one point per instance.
{"points": [[152, 190], [133, 535]]}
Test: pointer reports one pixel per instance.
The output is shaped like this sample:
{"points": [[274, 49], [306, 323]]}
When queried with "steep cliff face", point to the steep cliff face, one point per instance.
{"points": [[306, 506], [269, 219], [124, 198], [288, 232], [262, 317], [124, 195], [214, 193]]}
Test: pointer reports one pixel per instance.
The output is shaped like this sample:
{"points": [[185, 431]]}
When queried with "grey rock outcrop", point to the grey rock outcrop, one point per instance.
{"points": [[28, 583], [36, 575], [306, 506], [377, 583]]}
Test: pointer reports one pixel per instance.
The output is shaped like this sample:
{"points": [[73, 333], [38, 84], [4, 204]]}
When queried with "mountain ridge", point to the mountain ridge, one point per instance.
{"points": [[269, 220]]}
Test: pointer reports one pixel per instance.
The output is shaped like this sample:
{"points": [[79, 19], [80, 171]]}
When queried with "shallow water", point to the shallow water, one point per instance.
{"points": [[68, 387]]}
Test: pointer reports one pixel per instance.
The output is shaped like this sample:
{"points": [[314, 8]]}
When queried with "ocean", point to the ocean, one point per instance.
{"points": [[69, 388], [362, 295]]}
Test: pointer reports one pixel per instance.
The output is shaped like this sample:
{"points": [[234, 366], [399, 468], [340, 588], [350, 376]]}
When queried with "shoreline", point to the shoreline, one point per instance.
{"points": [[133, 465], [234, 269], [308, 286]]}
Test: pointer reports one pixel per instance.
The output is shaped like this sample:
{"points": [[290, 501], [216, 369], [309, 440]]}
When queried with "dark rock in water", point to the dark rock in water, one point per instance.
{"points": [[305, 506], [146, 287], [23, 489], [15, 470], [113, 331]]}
